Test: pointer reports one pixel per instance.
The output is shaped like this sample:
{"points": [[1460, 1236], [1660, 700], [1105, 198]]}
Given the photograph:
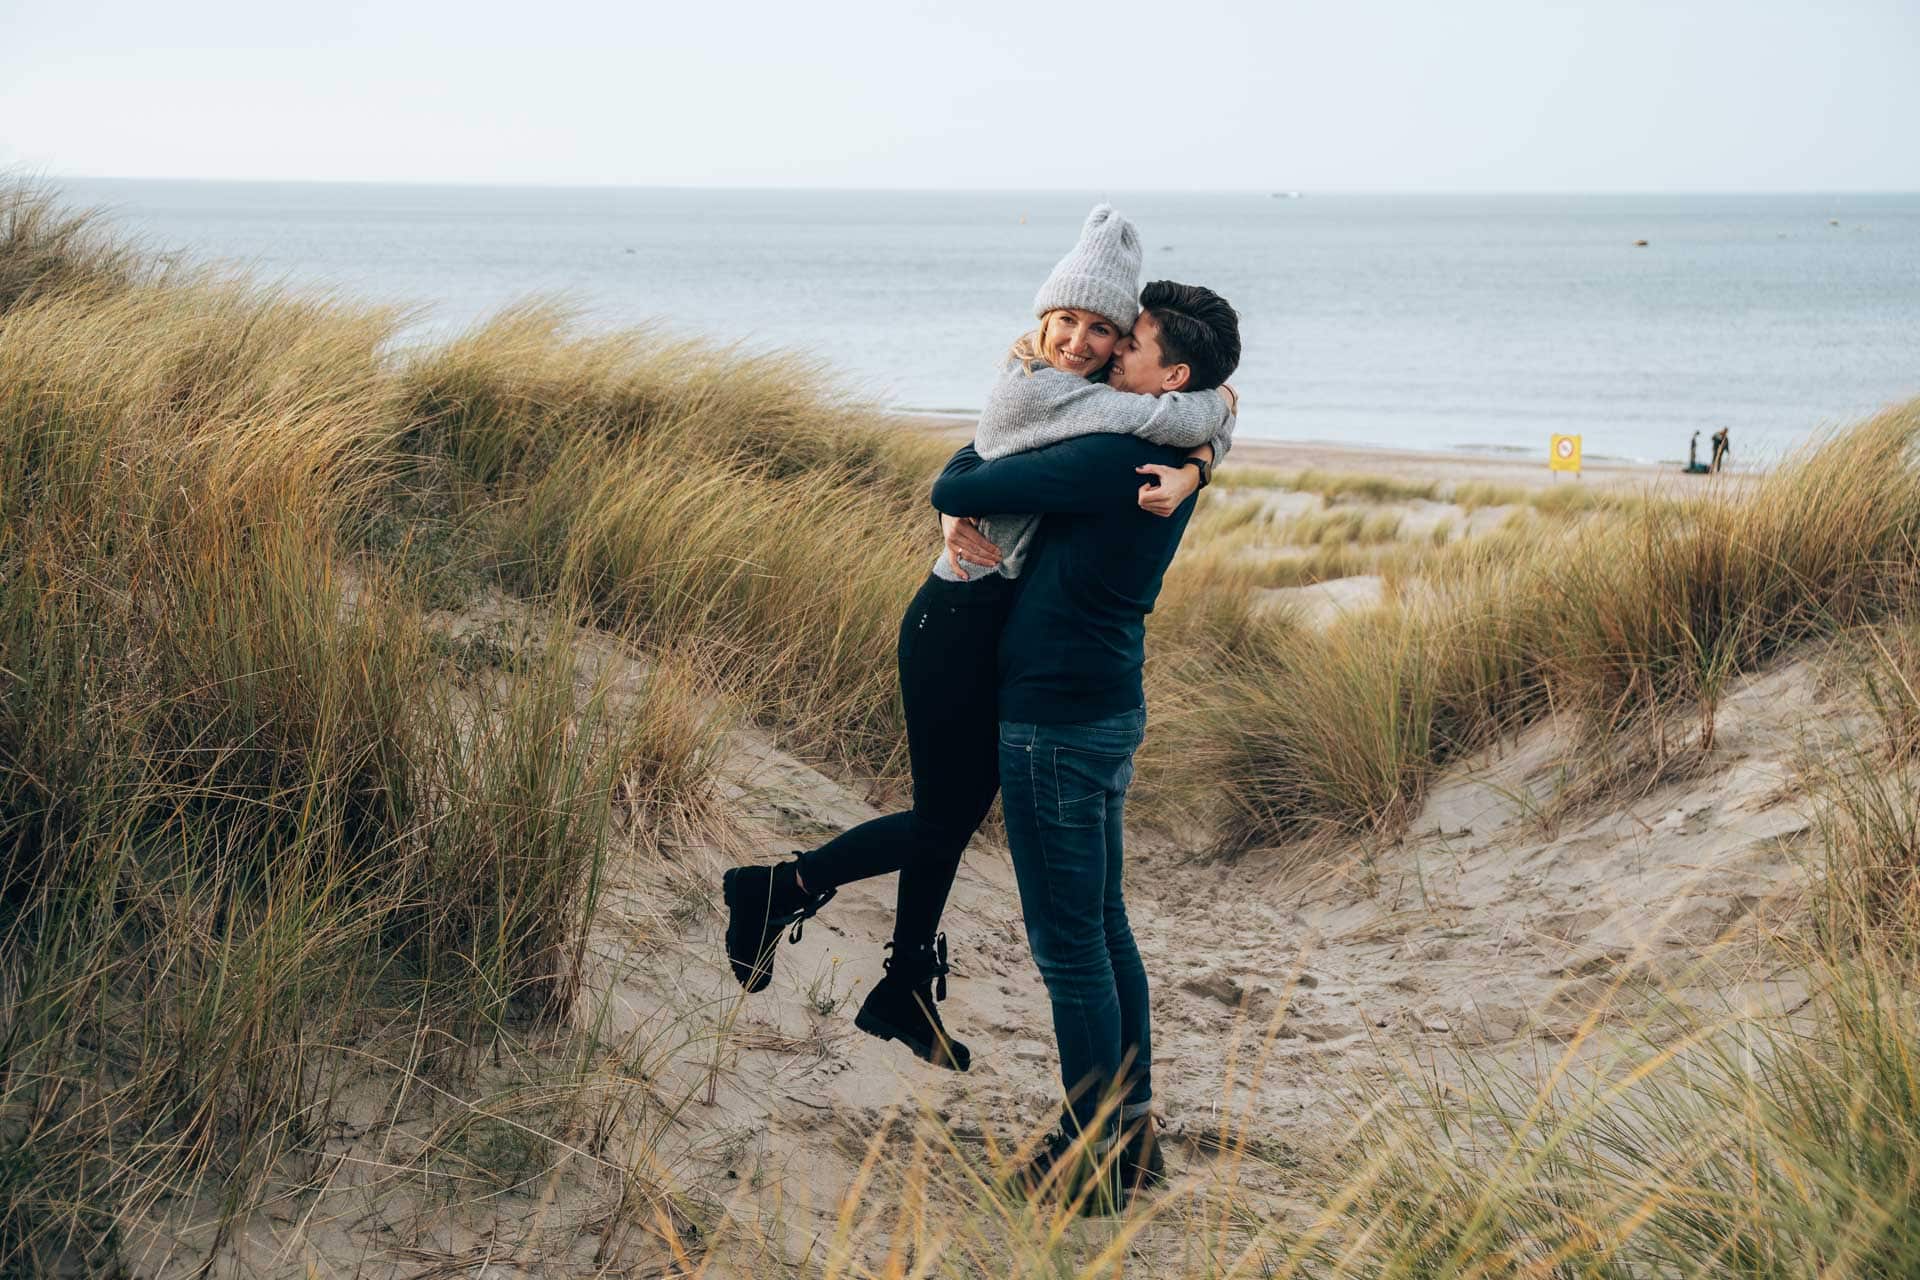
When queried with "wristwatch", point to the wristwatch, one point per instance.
{"points": [[1206, 469]]}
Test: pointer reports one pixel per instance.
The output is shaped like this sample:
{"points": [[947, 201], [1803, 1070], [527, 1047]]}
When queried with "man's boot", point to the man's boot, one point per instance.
{"points": [[1094, 1184], [1141, 1164], [1086, 1177], [901, 1005], [761, 901]]}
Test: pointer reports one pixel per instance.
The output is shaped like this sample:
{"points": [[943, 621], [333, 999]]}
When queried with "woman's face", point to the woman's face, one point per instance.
{"points": [[1081, 341]]}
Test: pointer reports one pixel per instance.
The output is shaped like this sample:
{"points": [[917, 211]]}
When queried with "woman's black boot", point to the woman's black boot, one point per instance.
{"points": [[901, 1005], [761, 901]]}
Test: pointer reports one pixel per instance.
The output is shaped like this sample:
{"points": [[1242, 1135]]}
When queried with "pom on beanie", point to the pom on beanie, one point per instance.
{"points": [[1100, 274]]}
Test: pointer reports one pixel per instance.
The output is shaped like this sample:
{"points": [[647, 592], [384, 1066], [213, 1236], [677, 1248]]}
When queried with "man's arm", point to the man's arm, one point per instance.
{"points": [[1171, 486], [1086, 474]]}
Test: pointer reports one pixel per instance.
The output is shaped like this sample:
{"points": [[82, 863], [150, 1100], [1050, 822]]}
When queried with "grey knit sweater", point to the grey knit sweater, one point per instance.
{"points": [[1031, 410]]}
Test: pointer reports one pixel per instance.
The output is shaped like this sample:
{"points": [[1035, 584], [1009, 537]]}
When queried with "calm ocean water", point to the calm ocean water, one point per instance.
{"points": [[1411, 321]]}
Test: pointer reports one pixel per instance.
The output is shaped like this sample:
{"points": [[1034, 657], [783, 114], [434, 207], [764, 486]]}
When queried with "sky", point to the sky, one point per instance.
{"points": [[1363, 95]]}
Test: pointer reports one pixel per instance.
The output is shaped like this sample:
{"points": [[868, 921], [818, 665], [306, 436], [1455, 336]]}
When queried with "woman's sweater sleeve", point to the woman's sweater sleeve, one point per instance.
{"points": [[1223, 439], [1029, 411]]}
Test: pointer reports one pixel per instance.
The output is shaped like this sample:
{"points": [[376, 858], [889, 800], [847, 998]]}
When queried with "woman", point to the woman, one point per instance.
{"points": [[1047, 392]]}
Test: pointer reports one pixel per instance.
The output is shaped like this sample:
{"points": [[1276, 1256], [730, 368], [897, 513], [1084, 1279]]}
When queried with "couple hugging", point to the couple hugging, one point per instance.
{"points": [[1020, 662]]}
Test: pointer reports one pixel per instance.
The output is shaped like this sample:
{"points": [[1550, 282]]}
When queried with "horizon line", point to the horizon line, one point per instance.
{"points": [[1279, 191]]}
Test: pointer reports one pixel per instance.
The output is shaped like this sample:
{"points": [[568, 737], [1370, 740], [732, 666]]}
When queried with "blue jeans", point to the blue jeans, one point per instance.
{"points": [[1064, 788]]}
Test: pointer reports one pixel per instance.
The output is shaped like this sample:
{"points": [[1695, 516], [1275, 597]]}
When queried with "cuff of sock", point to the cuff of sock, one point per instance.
{"points": [[1134, 1110]]}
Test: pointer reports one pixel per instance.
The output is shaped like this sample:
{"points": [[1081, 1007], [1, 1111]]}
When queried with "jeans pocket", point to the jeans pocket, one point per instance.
{"points": [[1082, 782]]}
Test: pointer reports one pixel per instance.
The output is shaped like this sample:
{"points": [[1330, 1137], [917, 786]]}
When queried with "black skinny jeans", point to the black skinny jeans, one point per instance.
{"points": [[949, 678]]}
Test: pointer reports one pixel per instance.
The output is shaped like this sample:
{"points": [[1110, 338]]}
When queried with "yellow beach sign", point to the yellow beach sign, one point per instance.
{"points": [[1563, 454]]}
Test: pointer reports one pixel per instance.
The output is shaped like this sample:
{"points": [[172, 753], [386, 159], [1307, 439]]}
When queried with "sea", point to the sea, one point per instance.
{"points": [[1459, 322]]}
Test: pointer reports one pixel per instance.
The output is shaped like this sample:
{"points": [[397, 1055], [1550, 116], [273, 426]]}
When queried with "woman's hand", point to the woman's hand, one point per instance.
{"points": [[1175, 486], [1233, 398], [964, 539]]}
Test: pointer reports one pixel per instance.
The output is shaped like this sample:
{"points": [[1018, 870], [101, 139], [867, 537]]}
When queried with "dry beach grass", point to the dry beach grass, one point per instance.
{"points": [[372, 722]]}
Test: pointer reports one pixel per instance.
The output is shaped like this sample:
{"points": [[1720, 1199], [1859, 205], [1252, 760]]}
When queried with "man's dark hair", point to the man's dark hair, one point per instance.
{"points": [[1197, 328]]}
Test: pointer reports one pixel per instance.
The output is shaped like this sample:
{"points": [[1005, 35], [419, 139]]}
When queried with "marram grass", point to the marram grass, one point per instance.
{"points": [[258, 810]]}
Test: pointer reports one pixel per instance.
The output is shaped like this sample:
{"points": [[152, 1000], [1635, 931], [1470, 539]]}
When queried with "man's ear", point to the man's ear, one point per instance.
{"points": [[1175, 377]]}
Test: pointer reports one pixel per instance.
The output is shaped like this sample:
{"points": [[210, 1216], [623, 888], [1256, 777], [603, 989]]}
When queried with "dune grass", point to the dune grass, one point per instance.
{"points": [[46, 248], [687, 495], [1338, 527], [241, 806], [694, 497], [256, 796], [1351, 487], [1622, 618]]}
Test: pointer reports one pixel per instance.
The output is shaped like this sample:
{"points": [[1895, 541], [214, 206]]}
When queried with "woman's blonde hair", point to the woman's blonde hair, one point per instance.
{"points": [[1026, 349]]}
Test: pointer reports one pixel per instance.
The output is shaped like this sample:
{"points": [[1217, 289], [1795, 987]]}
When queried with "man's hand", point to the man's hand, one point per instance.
{"points": [[964, 539], [1172, 486]]}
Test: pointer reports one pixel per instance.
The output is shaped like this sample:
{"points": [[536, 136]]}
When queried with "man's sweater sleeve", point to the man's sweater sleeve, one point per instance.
{"points": [[1032, 410], [1085, 474]]}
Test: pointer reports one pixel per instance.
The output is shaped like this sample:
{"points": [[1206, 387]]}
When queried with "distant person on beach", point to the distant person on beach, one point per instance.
{"points": [[1695, 467], [1099, 396], [1722, 450]]}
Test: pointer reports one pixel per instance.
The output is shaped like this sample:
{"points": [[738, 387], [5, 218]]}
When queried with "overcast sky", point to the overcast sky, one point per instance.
{"points": [[1414, 95]]}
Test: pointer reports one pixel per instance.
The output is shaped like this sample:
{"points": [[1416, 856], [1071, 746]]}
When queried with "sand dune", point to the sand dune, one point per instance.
{"points": [[1510, 921]]}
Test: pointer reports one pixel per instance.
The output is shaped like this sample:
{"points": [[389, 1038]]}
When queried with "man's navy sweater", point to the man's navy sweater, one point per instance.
{"points": [[1072, 647]]}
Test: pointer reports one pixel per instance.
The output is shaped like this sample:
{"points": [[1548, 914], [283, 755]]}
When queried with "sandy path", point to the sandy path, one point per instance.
{"points": [[1489, 935], [1489, 932]]}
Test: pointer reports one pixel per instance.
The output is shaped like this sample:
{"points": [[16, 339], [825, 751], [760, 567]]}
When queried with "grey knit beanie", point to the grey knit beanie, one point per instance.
{"points": [[1101, 274]]}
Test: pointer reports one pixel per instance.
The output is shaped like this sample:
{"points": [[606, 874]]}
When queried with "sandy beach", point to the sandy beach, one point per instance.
{"points": [[1389, 502], [1447, 466]]}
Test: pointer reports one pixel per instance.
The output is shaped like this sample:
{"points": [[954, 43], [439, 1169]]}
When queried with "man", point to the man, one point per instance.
{"points": [[1072, 712]]}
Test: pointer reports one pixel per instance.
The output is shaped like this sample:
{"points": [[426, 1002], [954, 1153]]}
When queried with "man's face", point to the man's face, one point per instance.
{"points": [[1137, 366]]}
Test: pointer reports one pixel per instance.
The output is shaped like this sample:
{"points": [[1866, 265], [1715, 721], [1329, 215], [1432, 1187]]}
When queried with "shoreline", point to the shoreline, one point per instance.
{"points": [[1526, 472]]}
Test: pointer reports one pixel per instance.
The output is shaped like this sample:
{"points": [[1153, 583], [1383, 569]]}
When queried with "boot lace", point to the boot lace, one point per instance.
{"points": [[806, 910], [939, 968], [932, 967]]}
